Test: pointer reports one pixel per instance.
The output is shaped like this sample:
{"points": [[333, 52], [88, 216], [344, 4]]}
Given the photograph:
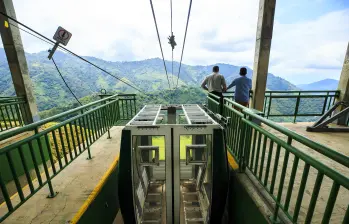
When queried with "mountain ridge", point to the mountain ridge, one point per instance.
{"points": [[325, 84], [85, 80]]}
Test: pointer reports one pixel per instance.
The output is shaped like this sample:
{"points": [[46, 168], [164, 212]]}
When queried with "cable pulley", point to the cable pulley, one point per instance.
{"points": [[171, 41]]}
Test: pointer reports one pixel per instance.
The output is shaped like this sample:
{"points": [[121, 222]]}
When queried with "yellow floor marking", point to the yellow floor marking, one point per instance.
{"points": [[232, 161], [95, 192]]}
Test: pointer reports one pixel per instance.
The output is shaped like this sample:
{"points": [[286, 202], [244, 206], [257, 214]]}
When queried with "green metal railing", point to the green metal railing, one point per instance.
{"points": [[127, 106], [213, 103], [13, 112], [60, 144], [274, 161], [293, 104]]}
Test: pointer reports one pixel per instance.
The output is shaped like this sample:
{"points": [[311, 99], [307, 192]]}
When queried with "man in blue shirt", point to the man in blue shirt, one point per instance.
{"points": [[243, 85]]}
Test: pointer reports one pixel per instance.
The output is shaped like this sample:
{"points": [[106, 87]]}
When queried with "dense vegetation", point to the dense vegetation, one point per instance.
{"points": [[87, 81]]}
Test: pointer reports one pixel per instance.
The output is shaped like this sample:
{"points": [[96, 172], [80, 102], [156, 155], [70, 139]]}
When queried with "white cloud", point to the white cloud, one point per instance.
{"points": [[219, 31], [310, 50], [109, 27]]}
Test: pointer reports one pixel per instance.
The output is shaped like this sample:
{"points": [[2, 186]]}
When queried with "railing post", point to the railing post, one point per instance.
{"points": [[297, 106], [107, 120], [325, 103], [269, 106], [87, 136], [265, 103], [243, 143], [18, 114], [48, 178], [6, 195], [135, 105]]}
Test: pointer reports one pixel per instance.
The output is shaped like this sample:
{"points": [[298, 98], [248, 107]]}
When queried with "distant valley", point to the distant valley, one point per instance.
{"points": [[86, 81]]}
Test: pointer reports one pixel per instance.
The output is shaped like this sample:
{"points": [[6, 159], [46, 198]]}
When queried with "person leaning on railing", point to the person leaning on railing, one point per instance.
{"points": [[215, 84], [243, 85]]}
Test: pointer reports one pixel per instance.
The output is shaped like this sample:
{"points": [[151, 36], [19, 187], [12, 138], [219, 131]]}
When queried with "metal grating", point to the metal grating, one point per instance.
{"points": [[196, 115], [151, 115], [147, 116]]}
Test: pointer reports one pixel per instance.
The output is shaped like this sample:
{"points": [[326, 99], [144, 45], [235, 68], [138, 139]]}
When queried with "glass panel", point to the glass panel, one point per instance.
{"points": [[195, 177], [148, 159]]}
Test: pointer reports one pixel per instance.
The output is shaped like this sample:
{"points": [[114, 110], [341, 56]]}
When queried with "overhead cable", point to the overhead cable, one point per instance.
{"points": [[32, 34], [66, 84], [157, 32], [173, 42], [185, 36], [65, 49]]}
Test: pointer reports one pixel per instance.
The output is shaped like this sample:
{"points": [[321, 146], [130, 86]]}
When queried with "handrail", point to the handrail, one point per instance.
{"points": [[301, 91], [214, 96], [336, 156], [11, 97], [315, 163], [268, 92], [324, 99], [123, 94], [13, 112], [235, 104], [54, 148], [11, 103], [55, 117], [48, 130], [296, 96], [267, 157]]}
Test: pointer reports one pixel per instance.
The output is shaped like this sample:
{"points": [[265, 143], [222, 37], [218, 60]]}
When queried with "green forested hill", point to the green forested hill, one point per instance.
{"points": [[86, 80], [183, 95]]}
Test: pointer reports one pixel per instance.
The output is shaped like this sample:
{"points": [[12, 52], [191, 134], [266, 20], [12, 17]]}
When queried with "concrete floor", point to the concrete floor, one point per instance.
{"points": [[77, 181], [118, 219], [336, 141], [74, 184]]}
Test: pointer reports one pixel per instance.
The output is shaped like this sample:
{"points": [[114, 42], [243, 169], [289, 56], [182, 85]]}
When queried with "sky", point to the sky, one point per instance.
{"points": [[309, 39]]}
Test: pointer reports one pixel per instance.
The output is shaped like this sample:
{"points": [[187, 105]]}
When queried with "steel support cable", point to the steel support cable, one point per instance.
{"points": [[66, 84], [65, 49], [105, 71], [172, 47], [185, 36], [157, 32], [172, 34], [32, 34], [47, 43]]}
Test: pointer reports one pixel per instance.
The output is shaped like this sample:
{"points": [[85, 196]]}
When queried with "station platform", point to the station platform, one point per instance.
{"points": [[77, 185]]}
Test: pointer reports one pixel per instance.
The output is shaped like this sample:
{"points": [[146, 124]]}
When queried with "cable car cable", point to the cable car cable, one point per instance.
{"points": [[162, 53], [32, 34], [185, 36], [66, 84], [173, 40], [53, 60]]}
